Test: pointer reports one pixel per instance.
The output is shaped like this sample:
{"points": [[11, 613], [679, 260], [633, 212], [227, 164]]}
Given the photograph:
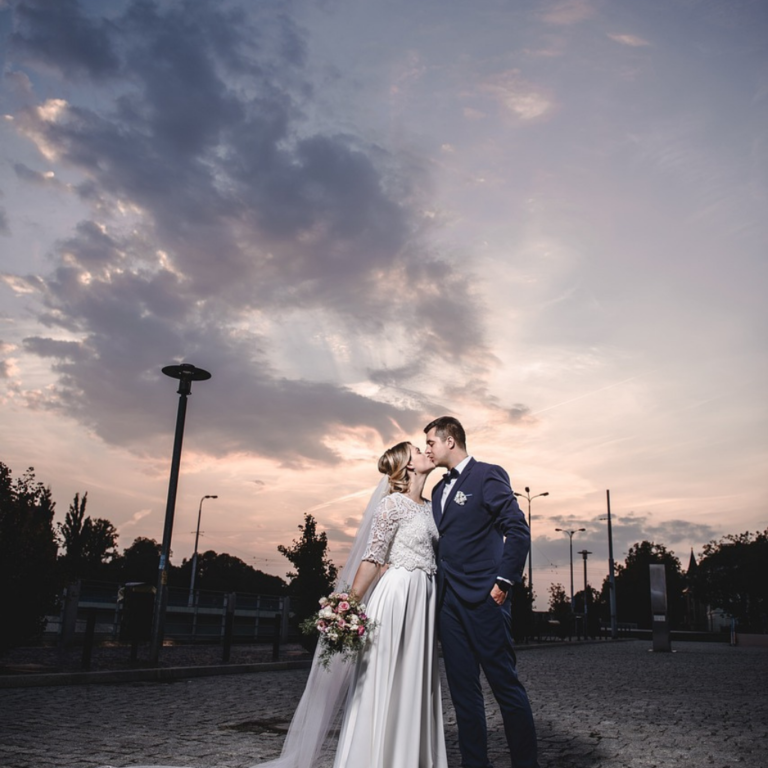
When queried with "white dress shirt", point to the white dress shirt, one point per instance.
{"points": [[449, 485]]}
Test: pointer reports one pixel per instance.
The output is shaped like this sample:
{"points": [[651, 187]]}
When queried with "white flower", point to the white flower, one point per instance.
{"points": [[327, 613], [460, 499]]}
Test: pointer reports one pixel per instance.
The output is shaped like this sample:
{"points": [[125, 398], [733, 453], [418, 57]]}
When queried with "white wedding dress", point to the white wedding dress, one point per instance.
{"points": [[393, 716]]}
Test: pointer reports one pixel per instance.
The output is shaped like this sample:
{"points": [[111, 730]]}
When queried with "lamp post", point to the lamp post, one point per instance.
{"points": [[194, 556], [611, 570], [570, 542], [186, 373], [527, 495], [584, 553]]}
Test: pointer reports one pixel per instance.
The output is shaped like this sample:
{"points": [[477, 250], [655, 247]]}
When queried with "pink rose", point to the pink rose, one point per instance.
{"points": [[361, 631], [343, 606]]}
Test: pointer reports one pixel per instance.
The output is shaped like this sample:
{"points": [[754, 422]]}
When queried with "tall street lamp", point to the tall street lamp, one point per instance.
{"points": [[186, 373], [570, 542], [527, 495], [611, 570], [194, 556]]}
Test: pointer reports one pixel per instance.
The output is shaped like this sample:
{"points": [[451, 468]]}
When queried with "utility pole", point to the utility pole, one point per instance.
{"points": [[611, 572]]}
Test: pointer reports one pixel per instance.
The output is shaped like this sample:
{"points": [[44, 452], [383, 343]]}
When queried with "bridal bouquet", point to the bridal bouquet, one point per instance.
{"points": [[342, 624]]}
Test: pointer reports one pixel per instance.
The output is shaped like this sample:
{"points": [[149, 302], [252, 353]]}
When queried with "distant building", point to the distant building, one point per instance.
{"points": [[696, 614]]}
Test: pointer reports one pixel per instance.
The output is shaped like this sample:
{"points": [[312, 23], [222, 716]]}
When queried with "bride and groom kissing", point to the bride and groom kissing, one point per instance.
{"points": [[425, 569]]}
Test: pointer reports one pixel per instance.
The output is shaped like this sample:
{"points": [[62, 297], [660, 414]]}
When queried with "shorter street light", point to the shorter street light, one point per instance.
{"points": [[570, 541], [527, 495], [194, 556], [585, 553]]}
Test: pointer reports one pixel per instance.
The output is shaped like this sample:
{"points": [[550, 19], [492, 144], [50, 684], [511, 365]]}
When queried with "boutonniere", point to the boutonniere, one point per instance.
{"points": [[461, 499]]}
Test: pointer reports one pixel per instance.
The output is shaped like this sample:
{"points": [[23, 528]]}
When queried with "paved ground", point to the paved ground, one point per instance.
{"points": [[604, 705]]}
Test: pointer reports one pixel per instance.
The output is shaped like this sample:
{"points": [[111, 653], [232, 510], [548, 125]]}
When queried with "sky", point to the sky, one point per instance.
{"points": [[547, 219]]}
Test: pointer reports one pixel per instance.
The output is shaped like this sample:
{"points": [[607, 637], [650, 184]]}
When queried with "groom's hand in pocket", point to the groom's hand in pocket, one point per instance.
{"points": [[498, 595]]}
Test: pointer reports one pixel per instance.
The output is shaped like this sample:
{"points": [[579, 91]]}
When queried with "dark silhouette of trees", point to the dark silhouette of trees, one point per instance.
{"points": [[733, 576], [560, 608], [227, 573], [28, 549], [140, 561], [314, 575], [89, 545], [559, 602], [633, 585], [522, 598]]}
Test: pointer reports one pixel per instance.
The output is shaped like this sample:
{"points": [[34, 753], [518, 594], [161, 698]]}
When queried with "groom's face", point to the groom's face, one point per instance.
{"points": [[438, 449]]}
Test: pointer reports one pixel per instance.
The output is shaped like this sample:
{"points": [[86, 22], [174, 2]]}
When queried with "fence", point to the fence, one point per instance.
{"points": [[103, 606]]}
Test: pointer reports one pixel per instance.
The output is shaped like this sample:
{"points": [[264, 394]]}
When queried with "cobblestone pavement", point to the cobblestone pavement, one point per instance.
{"points": [[604, 705]]}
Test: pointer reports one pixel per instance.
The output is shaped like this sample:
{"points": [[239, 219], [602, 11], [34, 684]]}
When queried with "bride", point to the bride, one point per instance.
{"points": [[393, 711], [393, 715], [390, 699]]}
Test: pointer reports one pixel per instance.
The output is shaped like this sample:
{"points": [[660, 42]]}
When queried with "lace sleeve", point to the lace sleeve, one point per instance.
{"points": [[382, 532]]}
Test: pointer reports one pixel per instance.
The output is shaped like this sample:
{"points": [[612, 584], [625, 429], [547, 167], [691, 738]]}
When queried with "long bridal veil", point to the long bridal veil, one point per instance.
{"points": [[326, 688]]}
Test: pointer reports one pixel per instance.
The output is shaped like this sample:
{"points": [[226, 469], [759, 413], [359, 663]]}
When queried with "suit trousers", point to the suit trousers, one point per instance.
{"points": [[475, 636]]}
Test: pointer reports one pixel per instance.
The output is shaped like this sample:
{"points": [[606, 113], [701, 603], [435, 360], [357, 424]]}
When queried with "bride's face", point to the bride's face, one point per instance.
{"points": [[420, 461]]}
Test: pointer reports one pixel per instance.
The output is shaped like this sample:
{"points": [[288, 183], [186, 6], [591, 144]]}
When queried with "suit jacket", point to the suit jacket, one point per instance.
{"points": [[483, 538]]}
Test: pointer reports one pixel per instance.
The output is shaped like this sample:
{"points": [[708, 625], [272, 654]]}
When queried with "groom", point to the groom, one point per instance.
{"points": [[484, 541]]}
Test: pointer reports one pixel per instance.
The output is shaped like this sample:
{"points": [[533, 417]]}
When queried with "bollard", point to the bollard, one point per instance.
{"points": [[229, 622], [90, 631], [661, 639], [277, 621], [69, 616]]}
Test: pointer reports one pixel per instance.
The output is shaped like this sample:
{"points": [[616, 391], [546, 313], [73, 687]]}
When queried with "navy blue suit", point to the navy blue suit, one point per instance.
{"points": [[483, 535]]}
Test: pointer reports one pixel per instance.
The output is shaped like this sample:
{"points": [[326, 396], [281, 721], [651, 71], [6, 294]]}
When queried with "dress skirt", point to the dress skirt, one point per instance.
{"points": [[393, 716]]}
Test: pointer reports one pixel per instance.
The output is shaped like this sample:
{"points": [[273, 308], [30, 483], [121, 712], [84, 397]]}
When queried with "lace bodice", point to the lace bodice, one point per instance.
{"points": [[404, 534]]}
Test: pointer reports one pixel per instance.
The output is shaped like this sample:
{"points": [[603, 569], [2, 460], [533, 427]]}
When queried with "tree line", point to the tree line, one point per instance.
{"points": [[39, 558], [731, 575]]}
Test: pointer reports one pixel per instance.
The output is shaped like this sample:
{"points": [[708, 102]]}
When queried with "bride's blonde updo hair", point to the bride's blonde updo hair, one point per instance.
{"points": [[394, 464]]}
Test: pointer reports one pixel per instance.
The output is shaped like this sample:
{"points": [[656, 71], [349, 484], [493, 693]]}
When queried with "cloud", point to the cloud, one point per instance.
{"points": [[632, 527], [220, 223], [41, 178], [135, 518], [521, 98], [58, 35], [4, 227], [567, 12], [630, 40]]}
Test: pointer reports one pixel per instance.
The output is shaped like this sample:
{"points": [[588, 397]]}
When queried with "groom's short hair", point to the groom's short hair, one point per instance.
{"points": [[447, 426]]}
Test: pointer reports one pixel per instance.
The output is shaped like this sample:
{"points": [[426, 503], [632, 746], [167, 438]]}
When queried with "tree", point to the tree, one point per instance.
{"points": [[227, 573], [522, 598], [140, 561], [633, 585], [315, 574], [27, 557], [559, 602], [733, 576], [90, 545]]}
